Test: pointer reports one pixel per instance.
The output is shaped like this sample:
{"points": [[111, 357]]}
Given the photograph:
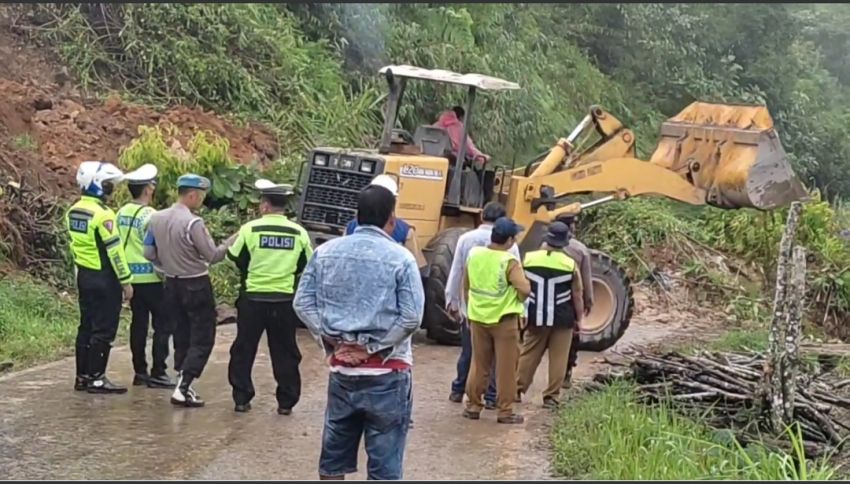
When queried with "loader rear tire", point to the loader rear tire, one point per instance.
{"points": [[612, 307], [439, 253]]}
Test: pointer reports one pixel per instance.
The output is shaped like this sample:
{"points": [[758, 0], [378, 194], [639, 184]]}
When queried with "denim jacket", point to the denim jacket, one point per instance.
{"points": [[363, 288]]}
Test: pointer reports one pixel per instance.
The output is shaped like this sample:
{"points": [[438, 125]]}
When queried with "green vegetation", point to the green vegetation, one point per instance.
{"points": [[247, 59], [25, 142], [37, 323], [729, 254], [309, 70], [609, 435]]}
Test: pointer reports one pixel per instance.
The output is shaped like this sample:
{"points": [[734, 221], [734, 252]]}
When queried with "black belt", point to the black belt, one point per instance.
{"points": [[186, 278]]}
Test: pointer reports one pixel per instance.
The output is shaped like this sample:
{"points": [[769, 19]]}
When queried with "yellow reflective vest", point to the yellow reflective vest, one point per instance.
{"points": [[491, 296], [270, 252], [95, 241], [133, 221]]}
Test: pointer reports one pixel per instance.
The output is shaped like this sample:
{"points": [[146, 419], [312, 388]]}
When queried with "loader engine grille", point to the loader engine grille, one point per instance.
{"points": [[330, 197]]}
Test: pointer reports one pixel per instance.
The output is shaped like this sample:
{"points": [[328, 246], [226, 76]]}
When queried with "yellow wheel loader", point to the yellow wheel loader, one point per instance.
{"points": [[722, 155]]}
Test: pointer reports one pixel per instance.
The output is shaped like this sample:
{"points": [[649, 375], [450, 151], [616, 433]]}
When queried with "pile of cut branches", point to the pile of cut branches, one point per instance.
{"points": [[31, 234], [727, 391]]}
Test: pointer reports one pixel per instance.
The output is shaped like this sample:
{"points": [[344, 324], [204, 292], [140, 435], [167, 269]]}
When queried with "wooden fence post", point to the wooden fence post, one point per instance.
{"points": [[791, 357], [773, 363]]}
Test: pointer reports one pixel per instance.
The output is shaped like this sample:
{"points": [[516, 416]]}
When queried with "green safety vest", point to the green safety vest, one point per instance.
{"points": [[133, 221], [95, 242], [270, 252], [550, 273], [490, 294]]}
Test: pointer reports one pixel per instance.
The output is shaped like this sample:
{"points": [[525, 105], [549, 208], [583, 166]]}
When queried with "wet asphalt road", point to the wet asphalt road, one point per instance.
{"points": [[49, 431]]}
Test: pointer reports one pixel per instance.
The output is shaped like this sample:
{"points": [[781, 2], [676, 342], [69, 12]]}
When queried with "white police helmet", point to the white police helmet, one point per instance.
{"points": [[92, 175], [387, 182]]}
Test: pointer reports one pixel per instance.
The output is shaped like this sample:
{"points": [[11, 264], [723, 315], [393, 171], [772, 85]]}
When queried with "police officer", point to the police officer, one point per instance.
{"points": [[270, 252], [133, 219], [179, 245], [101, 272]]}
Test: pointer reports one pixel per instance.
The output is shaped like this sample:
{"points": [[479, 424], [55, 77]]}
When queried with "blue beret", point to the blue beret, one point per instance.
{"points": [[193, 181]]}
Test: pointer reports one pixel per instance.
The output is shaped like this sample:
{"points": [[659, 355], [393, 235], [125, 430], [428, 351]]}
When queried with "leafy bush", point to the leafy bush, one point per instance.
{"points": [[207, 154], [818, 232]]}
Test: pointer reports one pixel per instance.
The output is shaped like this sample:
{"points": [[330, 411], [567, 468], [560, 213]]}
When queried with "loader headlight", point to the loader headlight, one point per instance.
{"points": [[367, 166], [320, 159]]}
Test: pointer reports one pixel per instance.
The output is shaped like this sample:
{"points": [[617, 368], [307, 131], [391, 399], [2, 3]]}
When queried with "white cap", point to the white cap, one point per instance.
{"points": [[142, 175], [387, 182], [269, 187]]}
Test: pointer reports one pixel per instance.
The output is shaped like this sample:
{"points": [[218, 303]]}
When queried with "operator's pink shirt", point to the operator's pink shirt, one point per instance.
{"points": [[454, 127]]}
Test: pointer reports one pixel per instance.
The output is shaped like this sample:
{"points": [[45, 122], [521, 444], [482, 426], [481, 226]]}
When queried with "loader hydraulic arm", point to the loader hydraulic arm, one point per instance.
{"points": [[723, 155], [614, 141]]}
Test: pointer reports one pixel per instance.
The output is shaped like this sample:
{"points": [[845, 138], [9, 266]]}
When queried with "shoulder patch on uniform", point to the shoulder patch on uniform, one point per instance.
{"points": [[108, 225]]}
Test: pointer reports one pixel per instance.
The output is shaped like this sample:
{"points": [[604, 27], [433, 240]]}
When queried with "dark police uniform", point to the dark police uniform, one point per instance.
{"points": [[180, 246], [146, 305], [270, 253], [101, 270]]}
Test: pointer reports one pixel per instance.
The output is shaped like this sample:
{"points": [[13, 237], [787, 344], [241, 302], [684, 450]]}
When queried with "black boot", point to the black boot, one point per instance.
{"points": [[568, 380], [140, 379], [81, 382], [98, 359], [161, 381], [184, 395]]}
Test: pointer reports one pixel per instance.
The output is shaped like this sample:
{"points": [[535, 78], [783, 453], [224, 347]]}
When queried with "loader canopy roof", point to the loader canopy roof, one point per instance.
{"points": [[479, 81]]}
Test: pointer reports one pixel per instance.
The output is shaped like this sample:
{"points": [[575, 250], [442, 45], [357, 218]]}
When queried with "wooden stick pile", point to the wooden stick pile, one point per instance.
{"points": [[30, 227], [726, 390]]}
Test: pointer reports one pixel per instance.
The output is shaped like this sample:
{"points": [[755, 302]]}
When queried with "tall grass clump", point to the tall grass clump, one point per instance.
{"points": [[36, 323], [609, 435]]}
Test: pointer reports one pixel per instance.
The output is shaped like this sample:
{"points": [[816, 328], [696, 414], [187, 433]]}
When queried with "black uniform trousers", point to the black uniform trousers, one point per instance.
{"points": [[190, 305], [279, 321], [147, 305], [100, 296]]}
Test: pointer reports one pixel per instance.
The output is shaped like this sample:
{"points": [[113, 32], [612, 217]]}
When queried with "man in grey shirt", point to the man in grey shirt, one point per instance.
{"points": [[455, 304], [179, 245], [579, 252]]}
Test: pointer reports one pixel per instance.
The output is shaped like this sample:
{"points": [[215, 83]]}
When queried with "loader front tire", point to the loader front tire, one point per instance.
{"points": [[439, 254], [612, 307]]}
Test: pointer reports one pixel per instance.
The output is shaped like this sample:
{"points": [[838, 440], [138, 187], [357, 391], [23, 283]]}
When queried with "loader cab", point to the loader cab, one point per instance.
{"points": [[436, 188], [465, 185]]}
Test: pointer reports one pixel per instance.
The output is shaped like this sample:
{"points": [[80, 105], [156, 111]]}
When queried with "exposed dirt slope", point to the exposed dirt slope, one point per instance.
{"points": [[47, 127]]}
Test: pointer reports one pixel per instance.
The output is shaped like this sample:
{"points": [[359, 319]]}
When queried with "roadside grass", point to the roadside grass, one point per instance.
{"points": [[609, 435], [38, 324]]}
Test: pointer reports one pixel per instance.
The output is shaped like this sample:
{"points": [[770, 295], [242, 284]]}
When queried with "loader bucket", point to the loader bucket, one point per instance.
{"points": [[732, 152]]}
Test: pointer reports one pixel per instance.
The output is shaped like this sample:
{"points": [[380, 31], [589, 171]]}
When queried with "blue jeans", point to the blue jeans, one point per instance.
{"points": [[463, 363], [375, 407]]}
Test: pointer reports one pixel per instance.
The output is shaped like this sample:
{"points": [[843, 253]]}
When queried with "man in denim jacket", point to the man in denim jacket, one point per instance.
{"points": [[361, 297]]}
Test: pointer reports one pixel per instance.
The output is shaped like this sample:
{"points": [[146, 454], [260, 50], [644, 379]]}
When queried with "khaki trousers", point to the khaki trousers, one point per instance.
{"points": [[499, 341], [536, 340]]}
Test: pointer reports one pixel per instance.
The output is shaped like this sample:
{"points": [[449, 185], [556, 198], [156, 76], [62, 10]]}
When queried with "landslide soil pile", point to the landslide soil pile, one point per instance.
{"points": [[47, 127]]}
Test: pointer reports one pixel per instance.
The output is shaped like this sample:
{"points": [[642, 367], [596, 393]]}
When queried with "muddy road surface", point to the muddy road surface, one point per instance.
{"points": [[48, 431]]}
